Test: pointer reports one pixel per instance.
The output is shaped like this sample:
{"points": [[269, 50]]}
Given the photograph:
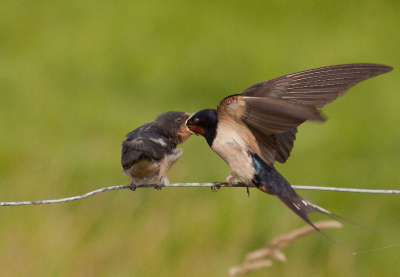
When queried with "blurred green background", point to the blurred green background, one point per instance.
{"points": [[76, 76]]}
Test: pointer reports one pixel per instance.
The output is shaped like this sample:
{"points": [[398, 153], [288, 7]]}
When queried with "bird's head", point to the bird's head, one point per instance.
{"points": [[173, 123], [203, 123]]}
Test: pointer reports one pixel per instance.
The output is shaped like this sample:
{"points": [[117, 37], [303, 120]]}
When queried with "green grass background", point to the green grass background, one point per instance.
{"points": [[76, 76]]}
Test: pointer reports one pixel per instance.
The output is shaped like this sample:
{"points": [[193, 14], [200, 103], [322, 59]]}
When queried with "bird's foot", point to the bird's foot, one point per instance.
{"points": [[158, 187], [133, 186], [247, 187], [216, 186]]}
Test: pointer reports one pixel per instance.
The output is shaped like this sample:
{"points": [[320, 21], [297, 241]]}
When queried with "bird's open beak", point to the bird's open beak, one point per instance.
{"points": [[188, 125]]}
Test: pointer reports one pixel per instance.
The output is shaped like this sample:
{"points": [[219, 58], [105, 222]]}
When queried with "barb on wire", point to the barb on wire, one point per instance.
{"points": [[238, 185]]}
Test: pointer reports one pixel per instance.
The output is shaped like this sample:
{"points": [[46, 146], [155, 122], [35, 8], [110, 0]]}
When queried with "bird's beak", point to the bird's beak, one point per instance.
{"points": [[190, 126], [187, 123]]}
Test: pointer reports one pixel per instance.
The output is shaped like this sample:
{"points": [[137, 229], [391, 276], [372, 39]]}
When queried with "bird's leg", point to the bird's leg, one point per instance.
{"points": [[164, 180], [216, 186], [231, 179], [247, 187], [133, 186], [158, 187]]}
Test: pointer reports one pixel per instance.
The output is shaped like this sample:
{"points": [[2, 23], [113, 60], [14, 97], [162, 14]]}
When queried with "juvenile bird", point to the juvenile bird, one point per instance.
{"points": [[150, 150], [252, 130]]}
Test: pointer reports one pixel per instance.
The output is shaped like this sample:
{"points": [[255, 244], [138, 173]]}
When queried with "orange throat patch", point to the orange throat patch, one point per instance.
{"points": [[197, 130]]}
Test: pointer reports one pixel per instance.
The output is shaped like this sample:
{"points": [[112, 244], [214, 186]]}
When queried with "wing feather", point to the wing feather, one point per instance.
{"points": [[265, 117], [267, 145], [272, 116], [317, 87], [285, 142], [146, 142]]}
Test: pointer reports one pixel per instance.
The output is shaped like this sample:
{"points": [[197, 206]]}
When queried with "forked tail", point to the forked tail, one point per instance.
{"points": [[269, 180]]}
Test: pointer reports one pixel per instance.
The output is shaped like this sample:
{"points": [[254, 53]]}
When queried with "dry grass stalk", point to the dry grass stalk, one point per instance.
{"points": [[261, 258], [248, 267]]}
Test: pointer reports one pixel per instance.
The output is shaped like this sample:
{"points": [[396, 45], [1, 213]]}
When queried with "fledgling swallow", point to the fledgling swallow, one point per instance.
{"points": [[150, 150], [252, 130]]}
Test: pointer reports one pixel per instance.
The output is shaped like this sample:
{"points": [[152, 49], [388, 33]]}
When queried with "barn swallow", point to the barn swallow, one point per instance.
{"points": [[150, 150], [252, 130]]}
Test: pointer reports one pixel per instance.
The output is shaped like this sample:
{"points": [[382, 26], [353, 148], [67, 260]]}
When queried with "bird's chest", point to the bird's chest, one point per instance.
{"points": [[233, 148]]}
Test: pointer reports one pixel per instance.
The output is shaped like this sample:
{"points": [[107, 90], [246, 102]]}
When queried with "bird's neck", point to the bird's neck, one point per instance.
{"points": [[212, 128]]}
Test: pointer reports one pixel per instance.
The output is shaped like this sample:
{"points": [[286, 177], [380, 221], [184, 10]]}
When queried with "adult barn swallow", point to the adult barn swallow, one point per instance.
{"points": [[252, 130], [150, 150]]}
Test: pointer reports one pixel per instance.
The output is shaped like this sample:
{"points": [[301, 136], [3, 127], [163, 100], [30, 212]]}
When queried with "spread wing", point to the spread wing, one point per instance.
{"points": [[264, 117], [146, 142], [315, 88]]}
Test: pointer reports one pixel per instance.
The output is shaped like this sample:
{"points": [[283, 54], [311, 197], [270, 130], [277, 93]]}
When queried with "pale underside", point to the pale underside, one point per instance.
{"points": [[149, 172], [239, 160]]}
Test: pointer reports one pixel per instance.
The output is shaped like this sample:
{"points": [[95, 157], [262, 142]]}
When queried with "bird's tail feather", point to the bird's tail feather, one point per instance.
{"points": [[303, 208], [269, 180]]}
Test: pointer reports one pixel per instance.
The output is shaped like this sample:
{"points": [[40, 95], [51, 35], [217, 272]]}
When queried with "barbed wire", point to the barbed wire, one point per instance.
{"points": [[239, 185]]}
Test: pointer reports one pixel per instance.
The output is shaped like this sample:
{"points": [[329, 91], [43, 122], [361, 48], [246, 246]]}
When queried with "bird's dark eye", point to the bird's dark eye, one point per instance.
{"points": [[196, 120], [179, 119]]}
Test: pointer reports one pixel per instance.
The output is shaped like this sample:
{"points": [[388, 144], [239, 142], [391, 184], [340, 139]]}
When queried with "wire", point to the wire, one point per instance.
{"points": [[73, 198]]}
